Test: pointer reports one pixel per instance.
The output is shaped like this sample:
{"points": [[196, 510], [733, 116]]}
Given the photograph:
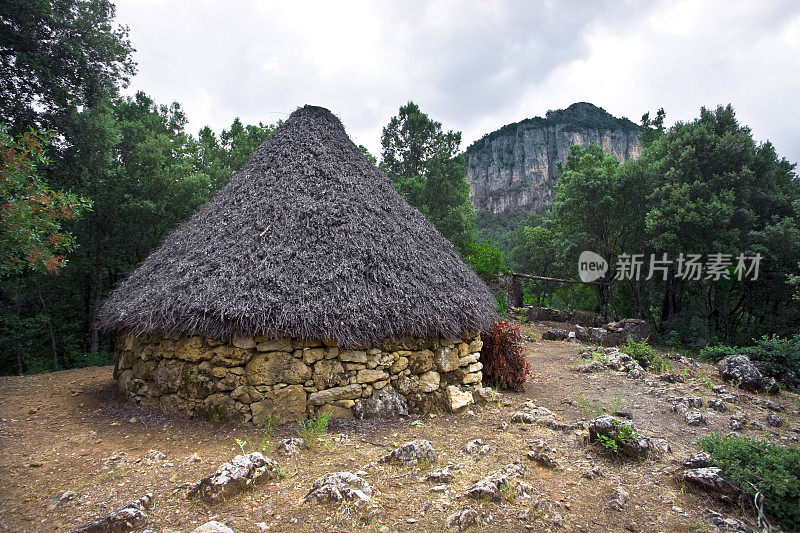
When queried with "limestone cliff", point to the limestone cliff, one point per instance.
{"points": [[514, 168]]}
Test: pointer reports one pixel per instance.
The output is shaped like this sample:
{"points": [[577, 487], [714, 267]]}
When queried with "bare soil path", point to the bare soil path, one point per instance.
{"points": [[66, 431]]}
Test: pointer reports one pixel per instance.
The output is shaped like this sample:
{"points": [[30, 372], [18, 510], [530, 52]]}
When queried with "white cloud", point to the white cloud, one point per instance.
{"points": [[472, 65]]}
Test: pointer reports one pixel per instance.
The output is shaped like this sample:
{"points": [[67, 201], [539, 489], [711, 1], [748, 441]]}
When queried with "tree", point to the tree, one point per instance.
{"points": [[58, 56], [31, 214], [652, 128], [423, 162]]}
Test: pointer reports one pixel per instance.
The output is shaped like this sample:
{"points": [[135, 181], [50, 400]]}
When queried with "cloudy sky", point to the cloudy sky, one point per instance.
{"points": [[474, 66]]}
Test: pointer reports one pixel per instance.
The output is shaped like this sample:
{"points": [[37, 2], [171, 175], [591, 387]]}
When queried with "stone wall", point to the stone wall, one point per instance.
{"points": [[253, 378]]}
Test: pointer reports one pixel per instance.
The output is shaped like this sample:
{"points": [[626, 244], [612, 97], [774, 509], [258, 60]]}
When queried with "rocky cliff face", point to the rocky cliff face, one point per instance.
{"points": [[514, 168]]}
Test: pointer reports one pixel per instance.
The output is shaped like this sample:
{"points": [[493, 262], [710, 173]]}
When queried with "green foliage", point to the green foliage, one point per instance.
{"points": [[311, 430], [371, 158], [500, 305], [593, 409], [423, 162], [58, 57], [776, 356], [761, 467], [715, 354], [263, 446], [647, 356], [32, 214], [485, 259], [608, 443]]}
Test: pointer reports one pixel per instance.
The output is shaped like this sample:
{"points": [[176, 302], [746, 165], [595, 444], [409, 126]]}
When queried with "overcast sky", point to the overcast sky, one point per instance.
{"points": [[474, 66]]}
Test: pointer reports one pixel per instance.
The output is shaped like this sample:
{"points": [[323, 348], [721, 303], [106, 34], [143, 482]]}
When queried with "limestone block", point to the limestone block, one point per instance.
{"points": [[368, 376], [446, 359], [245, 343], [348, 392], [429, 381], [283, 405], [353, 356], [329, 373], [457, 399], [277, 367], [274, 345], [400, 364], [191, 349], [421, 361], [312, 355]]}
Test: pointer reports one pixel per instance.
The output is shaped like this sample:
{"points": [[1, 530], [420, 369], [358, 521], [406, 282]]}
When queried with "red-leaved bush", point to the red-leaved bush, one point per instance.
{"points": [[504, 364]]}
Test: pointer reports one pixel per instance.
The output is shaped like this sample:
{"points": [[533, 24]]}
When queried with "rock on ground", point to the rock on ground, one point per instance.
{"points": [[126, 518], [411, 453], [618, 499], [712, 480], [233, 477], [491, 486], [477, 447], [441, 475], [739, 369], [290, 446], [338, 486], [729, 525], [626, 437], [463, 519], [212, 527]]}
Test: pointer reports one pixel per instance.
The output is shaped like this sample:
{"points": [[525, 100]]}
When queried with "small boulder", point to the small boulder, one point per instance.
{"points": [[623, 433], [711, 479], [491, 486], [729, 525], [440, 475], [290, 446], [618, 499], [212, 527], [739, 369], [774, 420], [457, 399], [338, 486], [126, 518], [477, 447], [593, 472], [233, 477], [555, 334], [485, 395], [463, 519], [698, 460], [411, 453], [588, 368]]}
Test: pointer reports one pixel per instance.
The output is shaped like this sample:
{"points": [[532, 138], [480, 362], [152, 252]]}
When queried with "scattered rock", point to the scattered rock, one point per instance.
{"points": [[739, 369], [212, 527], [290, 446], [555, 334], [485, 395], [659, 448], [711, 479], [338, 486], [734, 424], [772, 406], [463, 519], [628, 440], [61, 497], [385, 403], [233, 477], [593, 472], [543, 459], [774, 420], [457, 399], [618, 499], [477, 446], [491, 486], [126, 518], [531, 414], [717, 404], [636, 371], [672, 378], [594, 366], [411, 453], [728, 525], [523, 490], [440, 475], [698, 460], [154, 456]]}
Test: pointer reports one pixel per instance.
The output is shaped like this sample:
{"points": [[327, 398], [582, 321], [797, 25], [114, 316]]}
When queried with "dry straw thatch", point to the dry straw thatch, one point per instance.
{"points": [[308, 240]]}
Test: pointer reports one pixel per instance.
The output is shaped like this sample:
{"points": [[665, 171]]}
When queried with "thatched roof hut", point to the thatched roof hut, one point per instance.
{"points": [[311, 241]]}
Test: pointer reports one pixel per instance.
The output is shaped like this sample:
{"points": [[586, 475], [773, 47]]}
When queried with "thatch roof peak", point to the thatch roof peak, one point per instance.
{"points": [[308, 240]]}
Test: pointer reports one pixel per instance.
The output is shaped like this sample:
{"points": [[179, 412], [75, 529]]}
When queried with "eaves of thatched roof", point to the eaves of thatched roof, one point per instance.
{"points": [[308, 240]]}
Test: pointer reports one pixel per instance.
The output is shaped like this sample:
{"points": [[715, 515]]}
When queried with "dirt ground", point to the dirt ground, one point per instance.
{"points": [[66, 431]]}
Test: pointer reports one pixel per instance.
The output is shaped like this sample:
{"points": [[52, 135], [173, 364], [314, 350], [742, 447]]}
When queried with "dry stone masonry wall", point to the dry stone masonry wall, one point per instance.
{"points": [[253, 379]]}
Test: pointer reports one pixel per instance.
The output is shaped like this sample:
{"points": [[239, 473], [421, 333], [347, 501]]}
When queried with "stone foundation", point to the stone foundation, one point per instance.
{"points": [[252, 378]]}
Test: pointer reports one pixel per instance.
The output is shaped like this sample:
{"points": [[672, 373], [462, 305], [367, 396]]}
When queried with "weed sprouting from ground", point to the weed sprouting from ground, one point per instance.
{"points": [[593, 409], [311, 430], [263, 446]]}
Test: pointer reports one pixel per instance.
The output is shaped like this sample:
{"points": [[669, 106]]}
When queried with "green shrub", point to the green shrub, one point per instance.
{"points": [[659, 365], [311, 430], [501, 308], [485, 259], [776, 356], [715, 354], [761, 467]]}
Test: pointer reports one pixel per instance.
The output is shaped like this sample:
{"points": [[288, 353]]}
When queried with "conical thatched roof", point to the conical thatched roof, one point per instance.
{"points": [[308, 240]]}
